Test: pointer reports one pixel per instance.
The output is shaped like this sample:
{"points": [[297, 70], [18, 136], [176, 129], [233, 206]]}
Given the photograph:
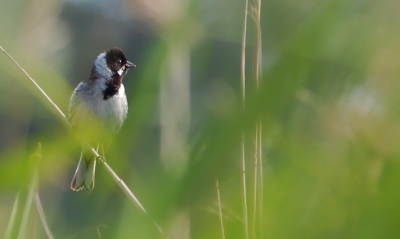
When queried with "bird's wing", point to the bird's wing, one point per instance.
{"points": [[74, 103]]}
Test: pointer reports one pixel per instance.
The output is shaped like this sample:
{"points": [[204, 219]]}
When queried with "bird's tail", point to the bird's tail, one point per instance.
{"points": [[85, 173]]}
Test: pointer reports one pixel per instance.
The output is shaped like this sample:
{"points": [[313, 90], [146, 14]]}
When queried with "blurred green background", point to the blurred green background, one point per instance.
{"points": [[328, 104]]}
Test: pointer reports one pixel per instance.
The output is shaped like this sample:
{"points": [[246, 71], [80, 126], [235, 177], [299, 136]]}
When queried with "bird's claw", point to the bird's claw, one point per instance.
{"points": [[100, 159]]}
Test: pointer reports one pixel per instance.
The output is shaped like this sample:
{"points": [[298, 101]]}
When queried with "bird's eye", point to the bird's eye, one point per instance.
{"points": [[120, 62]]}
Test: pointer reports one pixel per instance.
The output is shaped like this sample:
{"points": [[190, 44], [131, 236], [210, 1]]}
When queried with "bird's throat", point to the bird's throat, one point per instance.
{"points": [[112, 86]]}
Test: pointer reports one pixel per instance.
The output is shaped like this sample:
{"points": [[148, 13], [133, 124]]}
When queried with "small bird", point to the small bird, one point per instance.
{"points": [[97, 110]]}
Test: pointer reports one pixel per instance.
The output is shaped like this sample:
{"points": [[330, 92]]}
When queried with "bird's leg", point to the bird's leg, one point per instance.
{"points": [[101, 158], [102, 152]]}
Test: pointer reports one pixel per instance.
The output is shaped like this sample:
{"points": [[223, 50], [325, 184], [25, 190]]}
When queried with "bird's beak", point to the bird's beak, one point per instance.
{"points": [[129, 64]]}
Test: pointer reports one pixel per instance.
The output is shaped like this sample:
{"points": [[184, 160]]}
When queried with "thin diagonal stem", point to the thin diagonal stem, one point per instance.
{"points": [[128, 192], [11, 223], [124, 187], [38, 87], [27, 208], [220, 211], [42, 216]]}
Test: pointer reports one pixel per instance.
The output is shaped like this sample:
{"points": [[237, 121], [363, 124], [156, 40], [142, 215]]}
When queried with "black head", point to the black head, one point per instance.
{"points": [[117, 62]]}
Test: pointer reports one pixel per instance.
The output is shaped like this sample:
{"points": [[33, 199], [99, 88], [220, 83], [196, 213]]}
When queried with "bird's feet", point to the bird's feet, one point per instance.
{"points": [[101, 159]]}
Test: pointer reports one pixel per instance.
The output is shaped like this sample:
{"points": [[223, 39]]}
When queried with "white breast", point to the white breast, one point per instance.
{"points": [[90, 103], [114, 109]]}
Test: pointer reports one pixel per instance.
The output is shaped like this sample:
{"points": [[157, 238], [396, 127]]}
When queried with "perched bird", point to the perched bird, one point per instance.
{"points": [[97, 110]]}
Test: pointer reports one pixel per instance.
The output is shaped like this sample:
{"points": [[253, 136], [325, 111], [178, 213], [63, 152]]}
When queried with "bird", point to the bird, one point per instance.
{"points": [[97, 109]]}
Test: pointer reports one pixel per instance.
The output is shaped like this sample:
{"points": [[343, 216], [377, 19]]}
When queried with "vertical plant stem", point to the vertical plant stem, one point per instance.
{"points": [[11, 223], [258, 46], [246, 220], [261, 184], [258, 199], [220, 212], [256, 159], [243, 62], [243, 85]]}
